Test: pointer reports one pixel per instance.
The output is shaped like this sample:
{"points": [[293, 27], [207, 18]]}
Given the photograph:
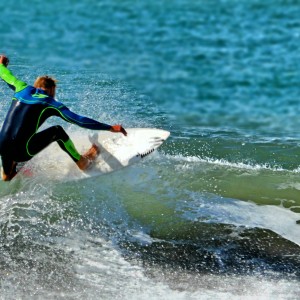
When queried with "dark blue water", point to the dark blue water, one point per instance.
{"points": [[213, 214]]}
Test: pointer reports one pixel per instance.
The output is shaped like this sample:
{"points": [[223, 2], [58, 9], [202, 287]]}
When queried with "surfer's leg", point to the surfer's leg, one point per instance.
{"points": [[82, 161], [42, 139], [56, 133], [8, 170]]}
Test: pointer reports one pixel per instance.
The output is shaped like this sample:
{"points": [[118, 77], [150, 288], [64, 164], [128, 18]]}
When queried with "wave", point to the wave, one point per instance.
{"points": [[142, 221], [259, 183]]}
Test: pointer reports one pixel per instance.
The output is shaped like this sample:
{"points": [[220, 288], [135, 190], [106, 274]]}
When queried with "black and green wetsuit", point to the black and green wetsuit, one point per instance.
{"points": [[30, 107]]}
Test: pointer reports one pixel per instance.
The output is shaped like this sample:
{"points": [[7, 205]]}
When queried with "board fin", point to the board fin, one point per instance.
{"points": [[142, 155]]}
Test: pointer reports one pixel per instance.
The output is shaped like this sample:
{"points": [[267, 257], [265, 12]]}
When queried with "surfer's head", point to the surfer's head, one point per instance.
{"points": [[47, 84]]}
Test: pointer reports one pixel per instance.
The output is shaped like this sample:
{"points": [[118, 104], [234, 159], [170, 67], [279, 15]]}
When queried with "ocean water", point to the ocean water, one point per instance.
{"points": [[214, 214]]}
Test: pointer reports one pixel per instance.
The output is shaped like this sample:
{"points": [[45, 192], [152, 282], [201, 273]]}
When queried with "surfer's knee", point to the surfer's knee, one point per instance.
{"points": [[60, 133]]}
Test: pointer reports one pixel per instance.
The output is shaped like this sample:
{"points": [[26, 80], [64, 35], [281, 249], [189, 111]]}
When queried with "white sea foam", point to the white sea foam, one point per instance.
{"points": [[217, 209], [222, 162], [101, 269]]}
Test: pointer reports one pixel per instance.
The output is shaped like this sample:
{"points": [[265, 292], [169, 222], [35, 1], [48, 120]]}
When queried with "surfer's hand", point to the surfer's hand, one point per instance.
{"points": [[4, 60], [118, 128]]}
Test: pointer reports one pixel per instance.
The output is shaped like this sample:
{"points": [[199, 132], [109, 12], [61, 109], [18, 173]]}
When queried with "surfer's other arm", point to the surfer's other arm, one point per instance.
{"points": [[6, 75]]}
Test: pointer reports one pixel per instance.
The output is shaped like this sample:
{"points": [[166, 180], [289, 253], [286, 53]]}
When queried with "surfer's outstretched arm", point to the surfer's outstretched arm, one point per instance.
{"points": [[88, 123], [62, 111], [6, 75]]}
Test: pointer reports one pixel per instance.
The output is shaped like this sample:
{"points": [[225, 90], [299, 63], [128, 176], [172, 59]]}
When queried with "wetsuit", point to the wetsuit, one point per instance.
{"points": [[30, 107]]}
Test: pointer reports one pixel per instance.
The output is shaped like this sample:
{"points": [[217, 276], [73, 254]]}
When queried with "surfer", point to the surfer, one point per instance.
{"points": [[20, 139]]}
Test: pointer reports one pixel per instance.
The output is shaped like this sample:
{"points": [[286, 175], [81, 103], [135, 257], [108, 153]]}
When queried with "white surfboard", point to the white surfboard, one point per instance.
{"points": [[116, 151]]}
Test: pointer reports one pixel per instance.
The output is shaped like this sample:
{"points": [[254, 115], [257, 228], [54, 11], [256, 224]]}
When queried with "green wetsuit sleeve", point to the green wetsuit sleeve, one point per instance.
{"points": [[11, 80]]}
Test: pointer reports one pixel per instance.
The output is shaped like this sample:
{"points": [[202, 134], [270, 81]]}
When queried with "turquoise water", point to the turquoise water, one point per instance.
{"points": [[213, 214]]}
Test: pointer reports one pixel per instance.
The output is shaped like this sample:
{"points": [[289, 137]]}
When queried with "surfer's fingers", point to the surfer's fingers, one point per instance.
{"points": [[123, 131]]}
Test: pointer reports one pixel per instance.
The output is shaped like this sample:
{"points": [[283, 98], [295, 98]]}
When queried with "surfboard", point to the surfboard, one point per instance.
{"points": [[116, 151]]}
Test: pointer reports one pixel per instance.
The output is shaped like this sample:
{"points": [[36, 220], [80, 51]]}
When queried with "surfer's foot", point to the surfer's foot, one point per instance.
{"points": [[11, 175], [87, 158]]}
